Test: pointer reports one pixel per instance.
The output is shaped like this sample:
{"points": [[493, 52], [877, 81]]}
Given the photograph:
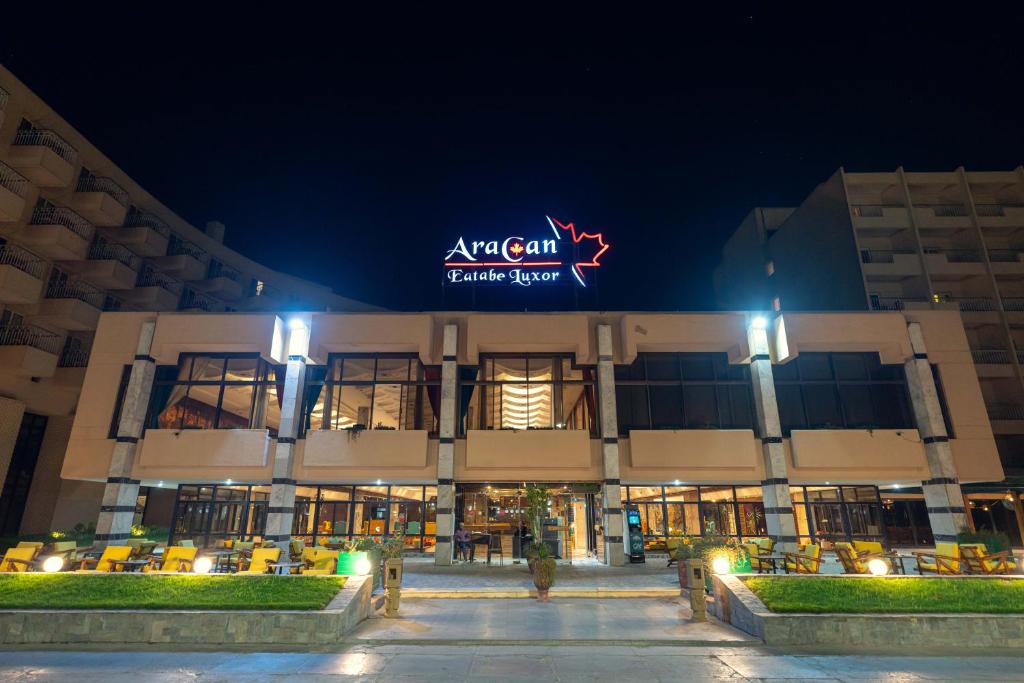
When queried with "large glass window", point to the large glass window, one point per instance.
{"points": [[372, 392], [683, 391], [529, 392], [225, 391], [826, 514], [725, 510], [841, 391]]}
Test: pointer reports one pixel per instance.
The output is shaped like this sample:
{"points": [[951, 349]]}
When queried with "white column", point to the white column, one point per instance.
{"points": [[117, 510], [446, 447], [778, 506], [281, 507], [611, 487], [942, 494]]}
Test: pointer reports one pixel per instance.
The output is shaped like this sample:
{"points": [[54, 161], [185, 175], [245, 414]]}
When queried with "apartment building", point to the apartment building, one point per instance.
{"points": [[824, 426], [79, 237], [907, 241]]}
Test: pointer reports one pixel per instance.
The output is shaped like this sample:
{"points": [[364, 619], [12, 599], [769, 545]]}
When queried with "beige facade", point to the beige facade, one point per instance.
{"points": [[78, 237], [402, 456]]}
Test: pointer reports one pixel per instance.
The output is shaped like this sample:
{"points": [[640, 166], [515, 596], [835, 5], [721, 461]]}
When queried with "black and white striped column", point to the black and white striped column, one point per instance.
{"points": [[611, 496], [117, 510], [281, 507], [778, 506], [446, 448], [942, 494]]}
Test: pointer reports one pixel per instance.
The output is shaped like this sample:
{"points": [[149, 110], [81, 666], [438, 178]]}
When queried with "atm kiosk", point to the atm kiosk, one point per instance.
{"points": [[635, 541]]}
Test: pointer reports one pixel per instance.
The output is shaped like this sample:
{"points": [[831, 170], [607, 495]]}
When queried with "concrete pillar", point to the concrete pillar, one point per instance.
{"points": [[778, 506], [121, 491], [46, 482], [611, 487], [942, 492], [281, 507], [11, 414], [446, 449]]}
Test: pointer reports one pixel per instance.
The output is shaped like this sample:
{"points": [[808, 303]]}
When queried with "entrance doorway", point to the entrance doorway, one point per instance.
{"points": [[495, 515]]}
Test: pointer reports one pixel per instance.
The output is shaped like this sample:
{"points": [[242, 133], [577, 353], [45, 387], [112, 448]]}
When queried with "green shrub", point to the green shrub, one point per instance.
{"points": [[995, 541]]}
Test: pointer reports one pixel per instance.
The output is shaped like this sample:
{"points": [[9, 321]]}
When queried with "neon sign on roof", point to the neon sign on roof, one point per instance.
{"points": [[550, 258]]}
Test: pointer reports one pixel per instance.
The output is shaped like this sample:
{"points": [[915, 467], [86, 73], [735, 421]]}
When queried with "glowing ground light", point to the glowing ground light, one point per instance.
{"points": [[53, 564], [878, 567], [721, 565], [363, 566], [202, 565]]}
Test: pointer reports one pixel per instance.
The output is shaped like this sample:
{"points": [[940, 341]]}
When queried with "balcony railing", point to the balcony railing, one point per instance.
{"points": [[46, 138], [151, 278], [25, 261], [956, 255], [989, 210], [883, 255], [947, 210], [218, 269], [47, 214], [885, 303], [143, 219], [975, 303], [73, 356], [1003, 255], [27, 335], [867, 210], [1005, 411], [76, 290], [104, 185], [112, 303], [991, 356], [105, 251], [1013, 303], [179, 246], [193, 299], [12, 180]]}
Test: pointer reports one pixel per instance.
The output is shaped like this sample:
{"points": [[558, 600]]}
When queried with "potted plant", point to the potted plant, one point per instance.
{"points": [[544, 577]]}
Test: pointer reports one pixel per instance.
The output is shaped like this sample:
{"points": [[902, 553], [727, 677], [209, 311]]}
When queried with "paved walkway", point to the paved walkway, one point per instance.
{"points": [[423, 575], [537, 664], [641, 620]]}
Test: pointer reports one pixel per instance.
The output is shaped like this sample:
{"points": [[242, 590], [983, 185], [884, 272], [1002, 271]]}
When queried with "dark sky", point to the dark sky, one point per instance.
{"points": [[352, 149]]}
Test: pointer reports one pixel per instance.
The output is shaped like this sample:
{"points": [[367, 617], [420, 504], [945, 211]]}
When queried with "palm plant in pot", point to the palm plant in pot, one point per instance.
{"points": [[538, 555]]}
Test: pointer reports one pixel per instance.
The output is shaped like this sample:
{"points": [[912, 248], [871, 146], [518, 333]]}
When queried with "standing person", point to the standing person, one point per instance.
{"points": [[462, 539]]}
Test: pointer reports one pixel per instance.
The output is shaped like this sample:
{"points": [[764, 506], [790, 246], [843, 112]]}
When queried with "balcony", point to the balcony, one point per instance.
{"points": [[153, 291], [71, 306], [43, 157], [21, 275], [876, 220], [13, 190], [942, 218], [890, 265], [192, 300], [57, 233], [992, 363], [184, 260], [110, 266], [1000, 218], [1007, 263], [74, 358], [29, 351], [1006, 418], [144, 233], [975, 304], [100, 200], [891, 303], [950, 265], [223, 281]]}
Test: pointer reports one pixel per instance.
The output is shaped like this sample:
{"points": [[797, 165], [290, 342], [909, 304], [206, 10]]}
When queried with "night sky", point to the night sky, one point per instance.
{"points": [[352, 149]]}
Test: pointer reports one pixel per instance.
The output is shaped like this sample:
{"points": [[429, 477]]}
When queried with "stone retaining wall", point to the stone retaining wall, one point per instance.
{"points": [[738, 605], [235, 627]]}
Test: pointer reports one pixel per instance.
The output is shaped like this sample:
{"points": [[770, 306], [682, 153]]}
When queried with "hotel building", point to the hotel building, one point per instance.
{"points": [[340, 425], [79, 237], [906, 241]]}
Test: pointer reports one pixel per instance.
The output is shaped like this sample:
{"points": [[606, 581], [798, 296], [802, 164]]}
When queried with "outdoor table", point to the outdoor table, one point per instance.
{"points": [[773, 560], [129, 565], [221, 559], [284, 567], [895, 559]]}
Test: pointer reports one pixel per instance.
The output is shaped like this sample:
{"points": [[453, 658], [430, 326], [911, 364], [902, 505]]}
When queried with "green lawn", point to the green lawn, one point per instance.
{"points": [[112, 591], [903, 595]]}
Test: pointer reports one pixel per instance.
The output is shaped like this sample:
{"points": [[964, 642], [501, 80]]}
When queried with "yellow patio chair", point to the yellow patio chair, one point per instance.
{"points": [[18, 560], [944, 560], [855, 561], [261, 559], [35, 545], [759, 546], [977, 560], [295, 548], [104, 563], [176, 559], [325, 563], [672, 545], [66, 549], [806, 562], [872, 547]]}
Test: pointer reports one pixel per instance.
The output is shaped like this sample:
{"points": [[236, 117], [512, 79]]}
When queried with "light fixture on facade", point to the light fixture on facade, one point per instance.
{"points": [[202, 565], [53, 564], [228, 482], [721, 565], [878, 567], [296, 324], [379, 482], [759, 322]]}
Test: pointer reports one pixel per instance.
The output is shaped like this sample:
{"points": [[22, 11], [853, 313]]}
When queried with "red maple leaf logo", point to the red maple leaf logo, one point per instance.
{"points": [[596, 246]]}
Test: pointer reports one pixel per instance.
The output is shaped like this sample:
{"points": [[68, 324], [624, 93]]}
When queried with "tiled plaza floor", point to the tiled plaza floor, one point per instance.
{"points": [[422, 574], [538, 664]]}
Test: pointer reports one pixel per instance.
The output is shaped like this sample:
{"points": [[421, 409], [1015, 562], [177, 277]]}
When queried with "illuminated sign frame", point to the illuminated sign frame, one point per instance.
{"points": [[516, 260]]}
